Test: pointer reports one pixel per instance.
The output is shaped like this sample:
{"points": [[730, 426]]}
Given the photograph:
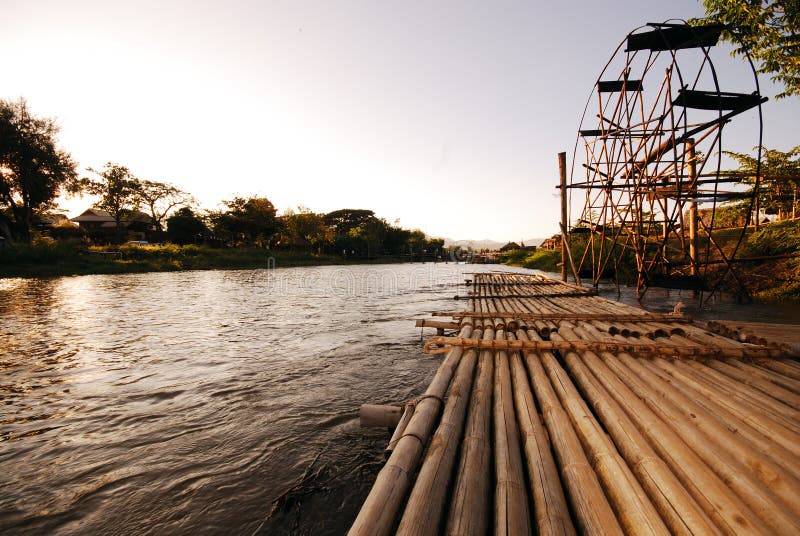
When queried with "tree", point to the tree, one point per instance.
{"points": [[117, 190], [248, 220], [780, 179], [307, 226], [769, 31], [185, 227], [395, 240], [416, 241], [160, 198], [33, 171], [342, 221]]}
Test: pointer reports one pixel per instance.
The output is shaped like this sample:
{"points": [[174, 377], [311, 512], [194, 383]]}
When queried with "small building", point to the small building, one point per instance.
{"points": [[511, 246], [94, 218], [137, 223], [552, 243]]}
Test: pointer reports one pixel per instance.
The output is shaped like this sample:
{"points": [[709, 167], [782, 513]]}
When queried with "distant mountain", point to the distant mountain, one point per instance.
{"points": [[488, 244]]}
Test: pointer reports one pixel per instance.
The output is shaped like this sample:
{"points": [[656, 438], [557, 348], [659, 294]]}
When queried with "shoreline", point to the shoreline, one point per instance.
{"points": [[35, 264]]}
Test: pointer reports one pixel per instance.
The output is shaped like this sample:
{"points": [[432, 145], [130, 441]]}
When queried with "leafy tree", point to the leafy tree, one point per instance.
{"points": [[248, 220], [186, 227], [342, 221], [434, 244], [416, 241], [117, 190], [768, 30], [307, 226], [780, 179], [395, 240], [160, 198], [356, 230], [33, 171]]}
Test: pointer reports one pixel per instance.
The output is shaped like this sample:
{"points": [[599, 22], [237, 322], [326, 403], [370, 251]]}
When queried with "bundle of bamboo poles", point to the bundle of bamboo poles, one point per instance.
{"points": [[786, 337], [557, 412]]}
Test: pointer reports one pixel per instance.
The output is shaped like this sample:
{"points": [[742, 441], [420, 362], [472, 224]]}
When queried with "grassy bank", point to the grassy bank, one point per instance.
{"points": [[59, 258], [774, 278], [545, 260]]}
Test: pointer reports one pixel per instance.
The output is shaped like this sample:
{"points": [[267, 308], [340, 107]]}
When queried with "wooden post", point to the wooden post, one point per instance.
{"points": [[690, 156], [562, 172]]}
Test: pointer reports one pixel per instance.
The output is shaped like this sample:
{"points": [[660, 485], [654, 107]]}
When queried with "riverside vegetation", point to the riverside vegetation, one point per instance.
{"points": [[48, 258]]}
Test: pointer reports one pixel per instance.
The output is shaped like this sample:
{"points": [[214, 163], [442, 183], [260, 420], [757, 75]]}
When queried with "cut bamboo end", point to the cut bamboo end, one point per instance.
{"points": [[373, 415]]}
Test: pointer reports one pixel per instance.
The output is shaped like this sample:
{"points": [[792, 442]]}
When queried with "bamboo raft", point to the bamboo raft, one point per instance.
{"points": [[558, 412]]}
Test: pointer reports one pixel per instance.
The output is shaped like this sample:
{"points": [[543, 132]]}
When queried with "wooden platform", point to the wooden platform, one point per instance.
{"points": [[568, 413]]}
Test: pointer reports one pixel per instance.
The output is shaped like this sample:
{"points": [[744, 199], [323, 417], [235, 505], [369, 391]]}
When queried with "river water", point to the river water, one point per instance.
{"points": [[217, 401]]}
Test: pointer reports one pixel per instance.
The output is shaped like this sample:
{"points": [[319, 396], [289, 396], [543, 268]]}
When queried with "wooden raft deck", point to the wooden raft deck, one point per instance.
{"points": [[558, 412]]}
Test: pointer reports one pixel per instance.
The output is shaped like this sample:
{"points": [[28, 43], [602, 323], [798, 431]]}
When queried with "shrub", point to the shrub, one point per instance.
{"points": [[774, 239]]}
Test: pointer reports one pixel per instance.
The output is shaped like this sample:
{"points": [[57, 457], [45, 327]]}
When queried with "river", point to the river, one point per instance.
{"points": [[217, 401]]}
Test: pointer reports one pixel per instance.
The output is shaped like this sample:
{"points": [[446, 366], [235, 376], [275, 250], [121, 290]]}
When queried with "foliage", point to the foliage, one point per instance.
{"points": [[395, 240], [356, 231], [343, 220], [780, 172], [769, 31], [775, 278], [774, 239], [117, 189], [33, 171], [730, 215], [160, 198], [546, 260], [40, 250], [249, 221], [306, 228], [185, 227]]}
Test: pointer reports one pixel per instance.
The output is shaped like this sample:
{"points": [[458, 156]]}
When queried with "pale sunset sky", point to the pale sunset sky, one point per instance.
{"points": [[445, 115]]}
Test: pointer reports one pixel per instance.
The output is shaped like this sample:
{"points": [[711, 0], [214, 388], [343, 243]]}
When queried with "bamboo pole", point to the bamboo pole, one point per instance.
{"points": [[693, 238], [619, 317], [729, 512], [370, 415], [636, 513], [781, 367], [713, 421], [775, 391], [593, 513], [678, 509], [767, 375], [764, 434], [408, 412], [729, 387], [382, 505], [440, 344], [771, 509], [469, 506], [564, 225], [511, 500], [423, 512], [550, 506]]}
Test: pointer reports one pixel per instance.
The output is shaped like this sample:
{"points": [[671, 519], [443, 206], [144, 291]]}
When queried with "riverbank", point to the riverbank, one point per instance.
{"points": [[52, 259], [774, 277]]}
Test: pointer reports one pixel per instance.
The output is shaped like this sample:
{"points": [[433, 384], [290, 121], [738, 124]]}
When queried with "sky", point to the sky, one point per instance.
{"points": [[442, 116]]}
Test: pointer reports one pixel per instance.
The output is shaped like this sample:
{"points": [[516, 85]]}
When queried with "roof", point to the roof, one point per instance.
{"points": [[93, 215]]}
